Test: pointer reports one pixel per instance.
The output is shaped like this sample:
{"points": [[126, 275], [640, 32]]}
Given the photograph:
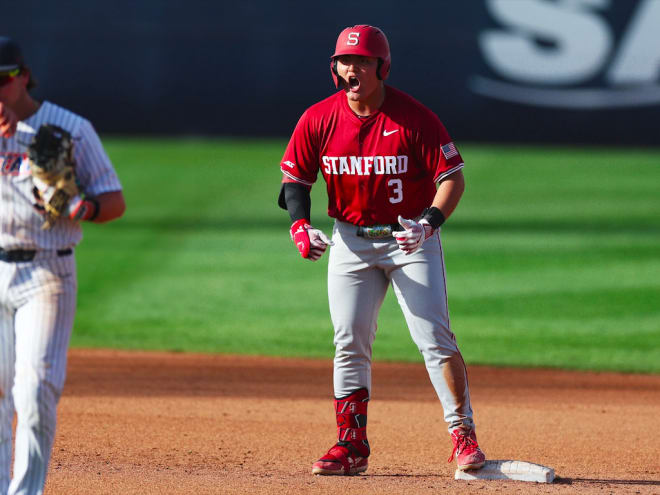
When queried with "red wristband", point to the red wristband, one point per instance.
{"points": [[85, 209]]}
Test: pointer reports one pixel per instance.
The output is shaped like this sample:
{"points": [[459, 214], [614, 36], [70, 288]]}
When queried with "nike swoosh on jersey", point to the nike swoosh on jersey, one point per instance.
{"points": [[387, 133]]}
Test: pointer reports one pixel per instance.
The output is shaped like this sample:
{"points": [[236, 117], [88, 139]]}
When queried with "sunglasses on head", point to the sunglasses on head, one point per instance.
{"points": [[6, 77]]}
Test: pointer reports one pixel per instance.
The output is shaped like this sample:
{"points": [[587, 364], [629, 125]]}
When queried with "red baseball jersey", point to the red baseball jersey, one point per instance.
{"points": [[377, 167]]}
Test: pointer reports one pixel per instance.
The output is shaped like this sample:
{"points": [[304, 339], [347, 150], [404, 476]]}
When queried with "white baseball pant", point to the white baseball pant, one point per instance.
{"points": [[37, 306], [359, 273]]}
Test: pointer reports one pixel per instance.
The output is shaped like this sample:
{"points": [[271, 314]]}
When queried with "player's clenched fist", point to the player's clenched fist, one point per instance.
{"points": [[414, 234], [7, 121], [311, 242]]}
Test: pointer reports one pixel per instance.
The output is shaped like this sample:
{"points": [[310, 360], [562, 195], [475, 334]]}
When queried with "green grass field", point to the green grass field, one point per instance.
{"points": [[553, 258]]}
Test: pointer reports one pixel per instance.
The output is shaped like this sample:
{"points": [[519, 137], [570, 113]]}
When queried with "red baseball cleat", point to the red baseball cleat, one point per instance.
{"points": [[340, 461], [466, 448], [349, 455]]}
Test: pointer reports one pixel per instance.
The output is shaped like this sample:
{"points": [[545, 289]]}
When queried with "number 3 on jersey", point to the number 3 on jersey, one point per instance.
{"points": [[397, 190]]}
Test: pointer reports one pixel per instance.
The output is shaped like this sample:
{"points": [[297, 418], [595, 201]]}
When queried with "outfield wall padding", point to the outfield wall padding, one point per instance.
{"points": [[539, 71]]}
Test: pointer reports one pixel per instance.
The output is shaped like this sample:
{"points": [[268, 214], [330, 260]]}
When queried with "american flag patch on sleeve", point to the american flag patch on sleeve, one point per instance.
{"points": [[449, 150]]}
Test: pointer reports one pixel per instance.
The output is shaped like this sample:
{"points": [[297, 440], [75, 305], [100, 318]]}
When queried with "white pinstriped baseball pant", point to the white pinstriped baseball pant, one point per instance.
{"points": [[359, 273], [37, 307]]}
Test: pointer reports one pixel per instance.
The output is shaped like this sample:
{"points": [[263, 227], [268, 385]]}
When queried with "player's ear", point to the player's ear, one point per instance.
{"points": [[25, 76]]}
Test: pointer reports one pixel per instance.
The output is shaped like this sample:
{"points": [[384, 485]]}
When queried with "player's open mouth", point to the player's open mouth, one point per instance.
{"points": [[353, 83]]}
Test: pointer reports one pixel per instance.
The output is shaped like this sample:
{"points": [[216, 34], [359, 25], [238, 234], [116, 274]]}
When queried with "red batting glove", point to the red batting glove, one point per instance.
{"points": [[83, 209], [8, 121], [311, 242], [414, 235]]}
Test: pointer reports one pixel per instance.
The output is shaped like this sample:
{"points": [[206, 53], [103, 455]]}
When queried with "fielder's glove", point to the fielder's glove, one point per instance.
{"points": [[414, 235], [53, 173], [311, 242]]}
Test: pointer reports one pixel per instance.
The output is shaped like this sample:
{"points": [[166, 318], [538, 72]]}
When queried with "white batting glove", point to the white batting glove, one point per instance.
{"points": [[318, 243], [311, 242], [414, 235]]}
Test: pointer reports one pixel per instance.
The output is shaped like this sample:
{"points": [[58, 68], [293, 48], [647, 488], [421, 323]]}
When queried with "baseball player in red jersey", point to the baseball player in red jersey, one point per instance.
{"points": [[393, 177]]}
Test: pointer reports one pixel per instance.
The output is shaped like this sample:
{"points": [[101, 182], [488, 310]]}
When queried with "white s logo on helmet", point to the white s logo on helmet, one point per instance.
{"points": [[353, 39]]}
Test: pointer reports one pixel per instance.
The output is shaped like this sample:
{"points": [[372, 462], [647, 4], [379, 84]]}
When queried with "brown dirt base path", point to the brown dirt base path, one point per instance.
{"points": [[159, 423]]}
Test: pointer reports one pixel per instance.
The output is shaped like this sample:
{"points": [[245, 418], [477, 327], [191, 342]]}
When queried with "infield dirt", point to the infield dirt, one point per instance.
{"points": [[161, 423]]}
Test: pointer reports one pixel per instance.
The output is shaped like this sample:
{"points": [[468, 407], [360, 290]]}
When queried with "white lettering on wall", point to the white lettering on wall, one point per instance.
{"points": [[550, 53]]}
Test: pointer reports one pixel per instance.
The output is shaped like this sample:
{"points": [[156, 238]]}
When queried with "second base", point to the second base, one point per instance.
{"points": [[509, 470]]}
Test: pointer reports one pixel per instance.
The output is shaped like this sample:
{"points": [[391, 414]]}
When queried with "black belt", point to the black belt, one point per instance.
{"points": [[378, 231], [19, 255]]}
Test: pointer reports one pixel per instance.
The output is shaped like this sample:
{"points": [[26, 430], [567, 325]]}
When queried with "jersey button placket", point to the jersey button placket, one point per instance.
{"points": [[363, 183], [361, 133]]}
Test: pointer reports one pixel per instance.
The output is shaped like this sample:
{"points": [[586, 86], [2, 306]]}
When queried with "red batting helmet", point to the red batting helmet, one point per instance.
{"points": [[365, 40]]}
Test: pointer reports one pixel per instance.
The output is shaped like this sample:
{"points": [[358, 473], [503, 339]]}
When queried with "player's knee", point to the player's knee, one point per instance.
{"points": [[352, 356], [439, 353], [352, 349], [351, 336], [35, 399]]}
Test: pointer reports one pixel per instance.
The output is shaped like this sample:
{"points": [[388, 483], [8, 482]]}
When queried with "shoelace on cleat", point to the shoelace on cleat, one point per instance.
{"points": [[463, 441]]}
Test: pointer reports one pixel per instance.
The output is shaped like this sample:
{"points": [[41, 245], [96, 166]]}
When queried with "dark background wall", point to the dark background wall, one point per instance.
{"points": [[583, 71]]}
